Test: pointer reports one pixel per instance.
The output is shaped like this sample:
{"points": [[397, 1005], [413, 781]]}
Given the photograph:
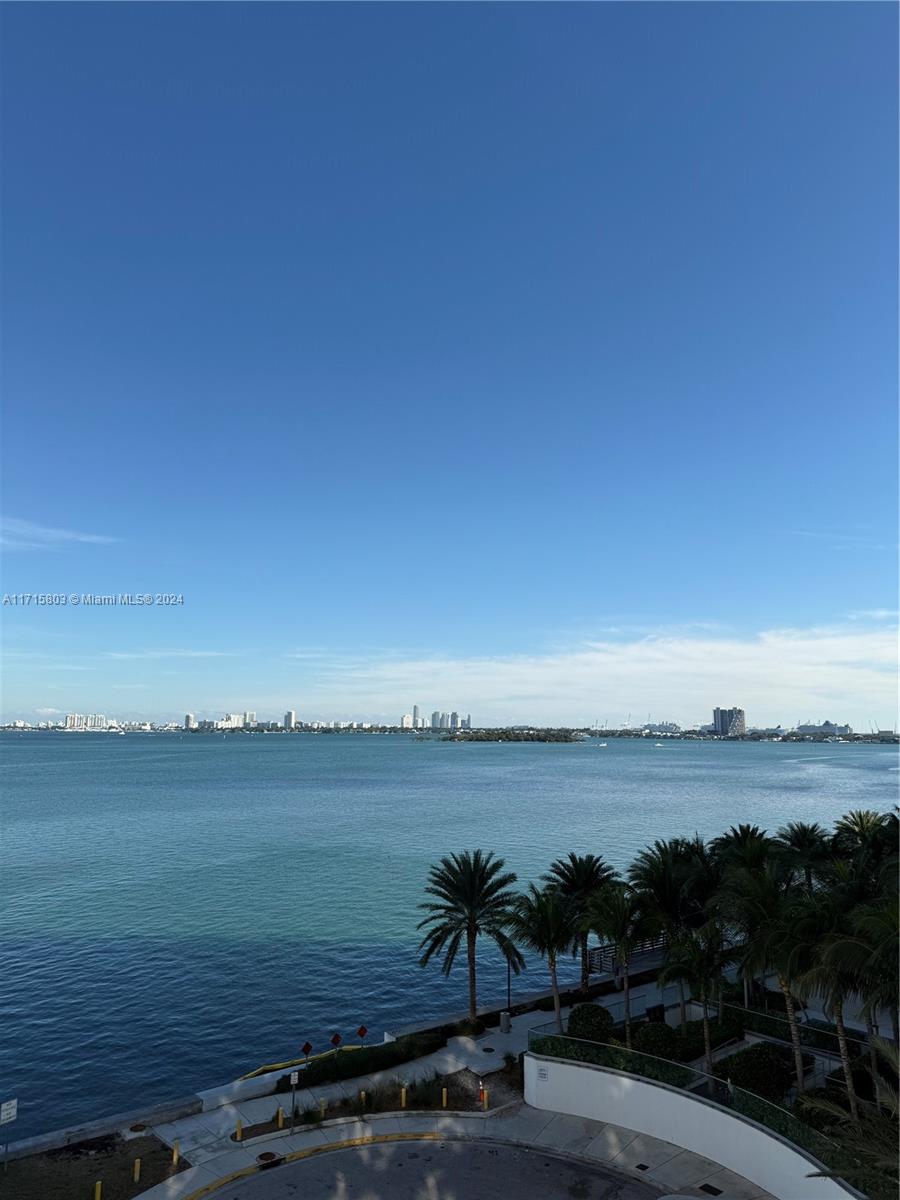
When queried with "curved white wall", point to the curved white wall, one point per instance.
{"points": [[583, 1090]]}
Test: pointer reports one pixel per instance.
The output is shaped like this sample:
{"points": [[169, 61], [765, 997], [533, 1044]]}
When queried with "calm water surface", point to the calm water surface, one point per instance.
{"points": [[179, 910]]}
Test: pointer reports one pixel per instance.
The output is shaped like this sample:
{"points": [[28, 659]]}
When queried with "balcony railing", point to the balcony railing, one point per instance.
{"points": [[545, 1040]]}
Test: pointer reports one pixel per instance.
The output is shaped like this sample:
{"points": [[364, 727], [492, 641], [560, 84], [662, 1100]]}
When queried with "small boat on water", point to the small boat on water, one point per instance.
{"points": [[659, 746], [601, 745]]}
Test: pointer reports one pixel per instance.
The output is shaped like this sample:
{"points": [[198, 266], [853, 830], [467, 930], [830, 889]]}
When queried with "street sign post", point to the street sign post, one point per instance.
{"points": [[295, 1078], [9, 1110]]}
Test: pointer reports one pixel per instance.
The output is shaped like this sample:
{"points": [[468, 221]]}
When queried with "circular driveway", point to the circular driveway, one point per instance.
{"points": [[449, 1170]]}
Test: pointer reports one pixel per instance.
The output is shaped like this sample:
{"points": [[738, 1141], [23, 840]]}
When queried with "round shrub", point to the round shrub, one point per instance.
{"points": [[761, 1069], [591, 1022], [656, 1038]]}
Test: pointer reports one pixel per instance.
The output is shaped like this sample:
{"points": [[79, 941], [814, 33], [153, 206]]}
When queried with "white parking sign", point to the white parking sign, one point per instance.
{"points": [[8, 1110], [295, 1078]]}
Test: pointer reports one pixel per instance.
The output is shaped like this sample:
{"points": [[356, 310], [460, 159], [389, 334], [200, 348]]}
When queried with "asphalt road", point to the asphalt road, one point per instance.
{"points": [[436, 1171]]}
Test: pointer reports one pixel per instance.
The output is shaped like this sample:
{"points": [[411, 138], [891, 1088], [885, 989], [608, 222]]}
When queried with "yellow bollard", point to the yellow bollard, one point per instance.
{"points": [[443, 1097], [175, 1153], [239, 1131], [137, 1170], [403, 1097], [485, 1100], [279, 1117], [98, 1189], [362, 1099], [321, 1110]]}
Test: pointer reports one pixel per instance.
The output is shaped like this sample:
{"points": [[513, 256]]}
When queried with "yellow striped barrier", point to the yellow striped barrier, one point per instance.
{"points": [[296, 1062]]}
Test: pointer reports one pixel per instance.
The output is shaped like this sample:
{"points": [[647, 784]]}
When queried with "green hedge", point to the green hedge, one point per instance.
{"points": [[346, 1064], [614, 1057], [761, 1069], [689, 1036], [592, 1022], [656, 1038]]}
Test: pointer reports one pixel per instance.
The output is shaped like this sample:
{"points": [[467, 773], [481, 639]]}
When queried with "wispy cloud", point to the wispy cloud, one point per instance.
{"points": [[16, 534], [156, 654], [845, 672], [873, 614], [838, 539]]}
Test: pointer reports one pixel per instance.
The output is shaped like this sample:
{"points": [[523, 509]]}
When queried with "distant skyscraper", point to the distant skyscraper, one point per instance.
{"points": [[435, 720], [290, 719], [249, 718], [454, 720], [445, 721], [468, 722], [190, 721], [729, 722], [406, 721], [416, 715]]}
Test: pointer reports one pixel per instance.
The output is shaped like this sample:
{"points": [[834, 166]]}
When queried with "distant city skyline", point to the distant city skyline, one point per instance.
{"points": [[563, 395]]}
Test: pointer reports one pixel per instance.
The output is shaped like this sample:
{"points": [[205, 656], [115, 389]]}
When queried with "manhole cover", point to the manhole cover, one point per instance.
{"points": [[137, 1128], [488, 1049], [266, 1156]]}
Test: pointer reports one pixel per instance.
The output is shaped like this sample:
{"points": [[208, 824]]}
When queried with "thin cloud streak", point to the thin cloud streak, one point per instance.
{"points": [[16, 534]]}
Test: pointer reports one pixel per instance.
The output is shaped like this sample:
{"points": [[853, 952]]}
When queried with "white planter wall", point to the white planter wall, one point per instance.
{"points": [[673, 1116]]}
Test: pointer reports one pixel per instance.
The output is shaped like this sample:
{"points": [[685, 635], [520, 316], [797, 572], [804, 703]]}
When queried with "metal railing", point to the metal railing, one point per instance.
{"points": [[545, 1040]]}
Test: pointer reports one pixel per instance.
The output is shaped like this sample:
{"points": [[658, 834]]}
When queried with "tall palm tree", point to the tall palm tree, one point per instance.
{"points": [[817, 922], [870, 951], [699, 956], [758, 902], [618, 915], [806, 846], [660, 875], [544, 921], [577, 878], [471, 898]]}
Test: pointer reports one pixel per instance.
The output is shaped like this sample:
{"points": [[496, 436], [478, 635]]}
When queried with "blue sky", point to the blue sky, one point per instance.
{"points": [[537, 360]]}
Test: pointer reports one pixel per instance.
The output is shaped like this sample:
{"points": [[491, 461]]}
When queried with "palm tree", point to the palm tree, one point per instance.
{"points": [[758, 903], [817, 922], [618, 915], [471, 897], [660, 875], [805, 845], [543, 920], [745, 846], [869, 951], [698, 957], [577, 878]]}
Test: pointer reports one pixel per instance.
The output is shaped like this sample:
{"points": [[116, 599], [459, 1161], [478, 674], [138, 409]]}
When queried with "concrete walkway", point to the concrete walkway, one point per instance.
{"points": [[659, 1164]]}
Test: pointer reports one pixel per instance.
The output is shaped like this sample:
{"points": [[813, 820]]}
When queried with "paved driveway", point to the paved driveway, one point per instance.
{"points": [[436, 1171]]}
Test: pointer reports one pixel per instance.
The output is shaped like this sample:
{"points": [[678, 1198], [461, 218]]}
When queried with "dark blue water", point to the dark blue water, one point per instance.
{"points": [[179, 910]]}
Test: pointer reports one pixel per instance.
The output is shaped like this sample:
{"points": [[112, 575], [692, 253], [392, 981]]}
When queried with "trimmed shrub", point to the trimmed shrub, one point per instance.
{"points": [[590, 1022], [656, 1038], [761, 1069], [346, 1064]]}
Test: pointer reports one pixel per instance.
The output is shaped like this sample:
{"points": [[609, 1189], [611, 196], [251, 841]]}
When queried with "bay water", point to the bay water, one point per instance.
{"points": [[178, 910]]}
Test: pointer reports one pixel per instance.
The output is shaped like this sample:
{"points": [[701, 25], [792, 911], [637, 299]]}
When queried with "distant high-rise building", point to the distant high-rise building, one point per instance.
{"points": [[416, 715], [435, 720], [467, 724], [190, 721], [729, 722], [249, 718], [290, 719], [445, 720], [454, 720], [406, 721]]}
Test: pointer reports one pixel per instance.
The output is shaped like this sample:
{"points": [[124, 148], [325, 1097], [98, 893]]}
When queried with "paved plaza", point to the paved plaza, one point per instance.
{"points": [[437, 1171]]}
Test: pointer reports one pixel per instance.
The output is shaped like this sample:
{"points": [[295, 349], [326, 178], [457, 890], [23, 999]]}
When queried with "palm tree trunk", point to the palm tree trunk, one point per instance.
{"points": [[627, 1008], [795, 1031], [707, 1040], [473, 991], [845, 1058], [809, 887], [682, 1001], [873, 1057], [585, 969], [551, 963], [746, 992]]}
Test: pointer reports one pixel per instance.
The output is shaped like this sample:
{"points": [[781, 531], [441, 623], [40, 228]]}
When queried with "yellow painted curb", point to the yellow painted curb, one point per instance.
{"points": [[209, 1188]]}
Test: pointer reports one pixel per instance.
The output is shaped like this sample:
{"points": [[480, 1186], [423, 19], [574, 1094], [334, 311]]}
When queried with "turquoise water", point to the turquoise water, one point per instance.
{"points": [[179, 910]]}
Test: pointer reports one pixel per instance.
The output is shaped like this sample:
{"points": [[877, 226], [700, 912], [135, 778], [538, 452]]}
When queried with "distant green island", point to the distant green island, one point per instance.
{"points": [[512, 735]]}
